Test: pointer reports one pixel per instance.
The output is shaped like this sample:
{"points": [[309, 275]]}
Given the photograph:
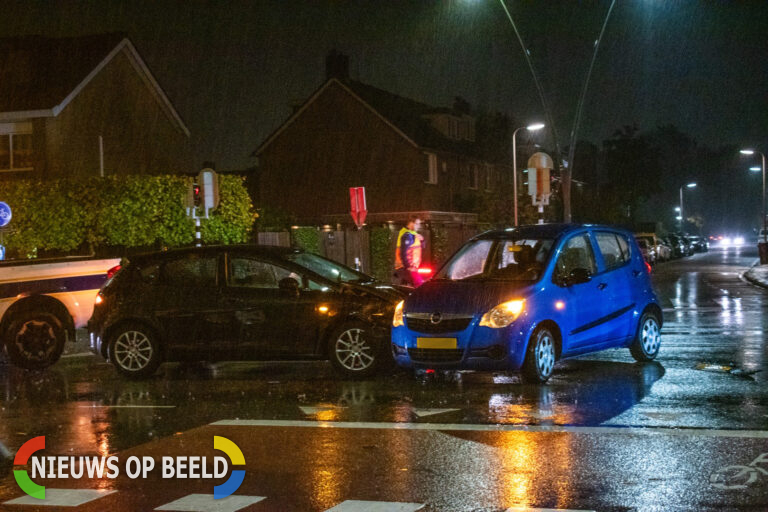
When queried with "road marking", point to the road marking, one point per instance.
{"points": [[127, 406], [431, 412], [310, 410], [375, 506], [77, 354], [685, 432], [62, 498], [206, 503]]}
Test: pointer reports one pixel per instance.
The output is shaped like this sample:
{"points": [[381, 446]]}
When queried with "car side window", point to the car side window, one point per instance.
{"points": [[192, 270], [624, 246], [253, 273], [150, 274], [610, 247], [576, 253]]}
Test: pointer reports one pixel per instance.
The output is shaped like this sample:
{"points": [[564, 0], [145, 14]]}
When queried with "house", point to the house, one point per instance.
{"points": [[410, 157], [85, 106]]}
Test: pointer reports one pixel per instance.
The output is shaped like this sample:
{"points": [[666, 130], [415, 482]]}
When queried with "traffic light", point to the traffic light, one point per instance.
{"points": [[197, 195]]}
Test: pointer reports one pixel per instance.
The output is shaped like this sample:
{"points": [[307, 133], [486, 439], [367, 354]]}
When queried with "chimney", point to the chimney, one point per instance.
{"points": [[336, 65]]}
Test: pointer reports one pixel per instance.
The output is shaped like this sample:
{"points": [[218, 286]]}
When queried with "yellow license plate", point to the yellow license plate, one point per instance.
{"points": [[435, 342]]}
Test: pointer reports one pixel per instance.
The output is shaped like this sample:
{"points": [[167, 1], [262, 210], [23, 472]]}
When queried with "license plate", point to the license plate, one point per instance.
{"points": [[435, 342]]}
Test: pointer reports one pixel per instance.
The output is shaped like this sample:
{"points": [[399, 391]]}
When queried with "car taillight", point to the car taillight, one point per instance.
{"points": [[425, 270], [111, 272], [648, 267]]}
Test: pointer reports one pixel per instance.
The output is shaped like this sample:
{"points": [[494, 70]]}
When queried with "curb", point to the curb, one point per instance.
{"points": [[746, 275]]}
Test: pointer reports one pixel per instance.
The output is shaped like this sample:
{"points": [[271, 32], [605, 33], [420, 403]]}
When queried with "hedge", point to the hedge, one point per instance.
{"points": [[307, 238], [128, 211]]}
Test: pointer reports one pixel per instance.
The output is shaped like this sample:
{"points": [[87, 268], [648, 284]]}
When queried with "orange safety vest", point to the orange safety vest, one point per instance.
{"points": [[413, 253]]}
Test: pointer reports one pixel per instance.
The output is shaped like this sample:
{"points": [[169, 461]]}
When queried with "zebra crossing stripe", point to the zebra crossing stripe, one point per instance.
{"points": [[529, 509], [62, 498], [206, 503], [375, 506]]}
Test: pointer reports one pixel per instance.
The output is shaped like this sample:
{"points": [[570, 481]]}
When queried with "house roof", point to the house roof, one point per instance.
{"points": [[41, 75], [406, 116]]}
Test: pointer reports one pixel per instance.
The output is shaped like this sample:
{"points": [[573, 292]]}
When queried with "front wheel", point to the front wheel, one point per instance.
{"points": [[540, 357], [135, 351], [35, 340], [647, 341], [353, 351]]}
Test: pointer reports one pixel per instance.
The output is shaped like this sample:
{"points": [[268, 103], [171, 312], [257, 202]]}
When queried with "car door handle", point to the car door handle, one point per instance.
{"points": [[602, 286]]}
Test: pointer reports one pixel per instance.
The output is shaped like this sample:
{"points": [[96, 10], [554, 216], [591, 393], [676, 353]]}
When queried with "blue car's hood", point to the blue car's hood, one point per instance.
{"points": [[468, 297]]}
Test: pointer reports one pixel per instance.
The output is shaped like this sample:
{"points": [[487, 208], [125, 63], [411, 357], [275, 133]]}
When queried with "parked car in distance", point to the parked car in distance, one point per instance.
{"points": [[242, 303], [522, 298], [647, 250], [654, 244], [678, 246], [700, 243]]}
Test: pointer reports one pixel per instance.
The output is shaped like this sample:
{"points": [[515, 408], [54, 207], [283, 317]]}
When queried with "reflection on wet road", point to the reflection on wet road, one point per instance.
{"points": [[710, 375]]}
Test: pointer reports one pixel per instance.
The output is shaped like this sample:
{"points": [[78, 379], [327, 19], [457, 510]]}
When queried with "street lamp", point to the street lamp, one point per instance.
{"points": [[531, 128], [752, 152], [681, 217]]}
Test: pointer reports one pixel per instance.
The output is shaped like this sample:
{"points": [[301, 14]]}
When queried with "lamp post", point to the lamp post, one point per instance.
{"points": [[752, 152], [682, 216], [530, 128]]}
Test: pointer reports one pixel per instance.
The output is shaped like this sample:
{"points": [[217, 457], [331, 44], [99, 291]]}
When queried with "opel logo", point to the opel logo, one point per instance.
{"points": [[435, 318]]}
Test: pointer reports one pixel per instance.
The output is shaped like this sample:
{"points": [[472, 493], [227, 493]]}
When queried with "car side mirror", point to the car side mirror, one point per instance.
{"points": [[578, 276], [289, 285]]}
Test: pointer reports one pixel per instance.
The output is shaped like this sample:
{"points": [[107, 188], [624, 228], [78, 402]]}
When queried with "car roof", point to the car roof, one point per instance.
{"points": [[260, 250], [554, 230]]}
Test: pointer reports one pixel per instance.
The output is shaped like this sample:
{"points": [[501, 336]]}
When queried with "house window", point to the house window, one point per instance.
{"points": [[432, 171], [488, 178], [473, 177], [16, 147]]}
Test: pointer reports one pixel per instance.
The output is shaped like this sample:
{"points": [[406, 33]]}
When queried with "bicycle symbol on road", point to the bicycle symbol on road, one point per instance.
{"points": [[740, 477]]}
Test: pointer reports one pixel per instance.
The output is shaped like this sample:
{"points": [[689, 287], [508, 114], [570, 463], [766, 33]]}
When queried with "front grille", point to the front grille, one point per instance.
{"points": [[425, 325], [435, 355]]}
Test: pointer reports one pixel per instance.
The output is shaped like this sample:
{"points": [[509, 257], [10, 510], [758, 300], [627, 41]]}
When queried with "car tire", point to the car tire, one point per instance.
{"points": [[540, 357], [134, 350], [35, 340], [354, 352], [647, 340]]}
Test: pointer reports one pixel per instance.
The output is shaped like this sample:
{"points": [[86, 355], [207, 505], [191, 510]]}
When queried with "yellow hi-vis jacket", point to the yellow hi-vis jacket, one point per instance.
{"points": [[408, 253]]}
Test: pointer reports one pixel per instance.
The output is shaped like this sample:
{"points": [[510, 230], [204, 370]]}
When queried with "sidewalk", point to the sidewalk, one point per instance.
{"points": [[757, 275]]}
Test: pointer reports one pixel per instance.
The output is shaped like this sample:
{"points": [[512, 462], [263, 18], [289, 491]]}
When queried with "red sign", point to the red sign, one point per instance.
{"points": [[358, 208]]}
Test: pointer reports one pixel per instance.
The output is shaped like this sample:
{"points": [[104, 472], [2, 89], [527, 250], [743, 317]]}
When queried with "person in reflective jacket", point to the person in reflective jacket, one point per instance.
{"points": [[408, 253]]}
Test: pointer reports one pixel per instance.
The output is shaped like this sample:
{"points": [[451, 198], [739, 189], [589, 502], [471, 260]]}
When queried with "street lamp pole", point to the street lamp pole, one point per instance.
{"points": [[682, 216], [530, 128], [762, 155]]}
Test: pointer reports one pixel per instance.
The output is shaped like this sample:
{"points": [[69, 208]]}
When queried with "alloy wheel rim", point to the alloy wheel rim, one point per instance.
{"points": [[36, 339], [650, 336], [353, 352], [133, 350], [545, 355]]}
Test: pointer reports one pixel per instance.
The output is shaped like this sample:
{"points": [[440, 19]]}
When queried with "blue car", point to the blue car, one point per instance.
{"points": [[522, 298]]}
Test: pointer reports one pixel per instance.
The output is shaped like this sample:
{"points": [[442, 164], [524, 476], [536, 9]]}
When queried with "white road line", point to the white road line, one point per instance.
{"points": [[206, 503], [684, 432], [375, 506], [62, 498], [127, 406], [431, 412]]}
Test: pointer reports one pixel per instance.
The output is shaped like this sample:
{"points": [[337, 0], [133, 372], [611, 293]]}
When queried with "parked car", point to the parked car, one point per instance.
{"points": [[521, 299], [655, 245], [647, 250], [664, 251], [242, 303], [699, 243], [678, 246]]}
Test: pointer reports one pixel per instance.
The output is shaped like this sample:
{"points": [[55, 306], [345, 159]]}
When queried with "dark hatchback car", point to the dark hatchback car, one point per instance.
{"points": [[242, 303]]}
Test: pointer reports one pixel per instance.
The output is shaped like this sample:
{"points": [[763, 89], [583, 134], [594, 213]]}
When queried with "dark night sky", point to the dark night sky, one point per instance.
{"points": [[234, 69]]}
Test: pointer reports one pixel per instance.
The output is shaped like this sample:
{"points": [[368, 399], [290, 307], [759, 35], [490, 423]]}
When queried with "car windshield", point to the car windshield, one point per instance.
{"points": [[506, 260], [328, 269]]}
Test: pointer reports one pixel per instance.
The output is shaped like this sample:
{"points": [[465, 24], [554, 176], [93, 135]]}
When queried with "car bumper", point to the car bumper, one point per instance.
{"points": [[476, 348]]}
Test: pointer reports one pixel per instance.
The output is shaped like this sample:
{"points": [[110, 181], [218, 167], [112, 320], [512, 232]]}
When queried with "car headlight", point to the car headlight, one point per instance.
{"points": [[397, 320], [503, 314]]}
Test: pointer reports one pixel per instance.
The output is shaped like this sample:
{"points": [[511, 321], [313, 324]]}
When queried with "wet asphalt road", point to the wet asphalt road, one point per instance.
{"points": [[604, 434]]}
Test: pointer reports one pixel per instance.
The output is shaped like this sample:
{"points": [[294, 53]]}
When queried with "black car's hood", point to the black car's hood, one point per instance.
{"points": [[389, 293], [464, 297]]}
